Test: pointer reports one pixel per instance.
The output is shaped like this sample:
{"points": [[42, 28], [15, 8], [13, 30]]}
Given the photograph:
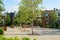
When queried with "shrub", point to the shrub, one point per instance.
{"points": [[2, 37], [25, 38], [47, 26], [34, 39], [59, 27], [1, 32], [16, 38]]}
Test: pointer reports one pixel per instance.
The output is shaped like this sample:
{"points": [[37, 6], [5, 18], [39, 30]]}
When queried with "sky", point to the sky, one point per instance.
{"points": [[12, 5]]}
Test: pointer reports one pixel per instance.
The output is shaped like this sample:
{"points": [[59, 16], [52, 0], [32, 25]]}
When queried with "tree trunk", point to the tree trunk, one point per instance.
{"points": [[12, 24], [5, 28]]}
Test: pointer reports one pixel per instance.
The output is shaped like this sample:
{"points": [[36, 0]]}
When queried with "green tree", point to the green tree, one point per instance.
{"points": [[1, 9], [7, 18], [53, 19], [28, 10], [1, 6], [0, 18]]}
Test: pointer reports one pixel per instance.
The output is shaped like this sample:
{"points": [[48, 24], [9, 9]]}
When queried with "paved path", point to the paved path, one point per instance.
{"points": [[39, 31], [44, 33]]}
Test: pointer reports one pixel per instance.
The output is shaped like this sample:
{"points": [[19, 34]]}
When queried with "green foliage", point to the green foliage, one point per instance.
{"points": [[16, 38], [53, 25], [47, 26], [1, 6], [35, 39], [1, 32], [53, 19], [0, 18], [59, 27], [25, 38], [28, 10], [7, 19], [16, 23], [2, 37]]}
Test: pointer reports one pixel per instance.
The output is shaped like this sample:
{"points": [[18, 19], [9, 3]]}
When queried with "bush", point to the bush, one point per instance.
{"points": [[59, 27], [8, 38], [1, 32], [52, 25], [47, 26], [2, 37], [25, 38], [34, 39]]}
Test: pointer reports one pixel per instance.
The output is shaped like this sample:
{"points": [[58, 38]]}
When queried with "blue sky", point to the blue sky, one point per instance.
{"points": [[50, 4], [12, 5]]}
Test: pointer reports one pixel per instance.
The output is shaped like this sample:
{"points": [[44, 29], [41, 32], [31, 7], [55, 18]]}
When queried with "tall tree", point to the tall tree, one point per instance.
{"points": [[28, 10]]}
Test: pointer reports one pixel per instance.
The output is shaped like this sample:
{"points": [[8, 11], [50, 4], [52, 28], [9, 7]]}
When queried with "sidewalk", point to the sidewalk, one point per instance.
{"points": [[44, 34], [25, 31]]}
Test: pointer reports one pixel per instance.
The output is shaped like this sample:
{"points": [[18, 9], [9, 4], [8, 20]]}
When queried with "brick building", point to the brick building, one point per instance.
{"points": [[46, 16]]}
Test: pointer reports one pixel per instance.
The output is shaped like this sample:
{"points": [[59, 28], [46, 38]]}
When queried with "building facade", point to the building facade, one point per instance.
{"points": [[47, 15]]}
